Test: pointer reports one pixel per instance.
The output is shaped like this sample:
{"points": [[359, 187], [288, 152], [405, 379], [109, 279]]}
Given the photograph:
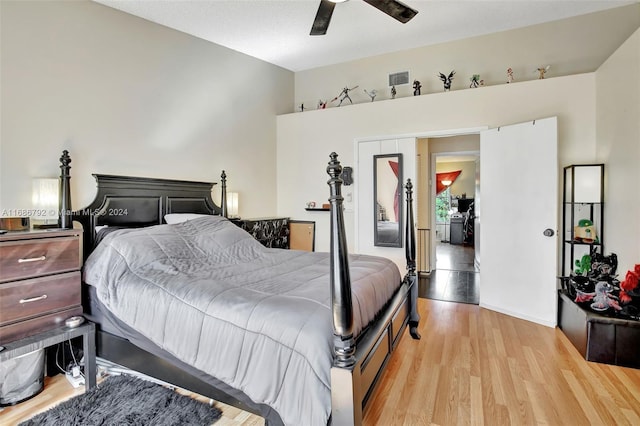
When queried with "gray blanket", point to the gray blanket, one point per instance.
{"points": [[258, 319]]}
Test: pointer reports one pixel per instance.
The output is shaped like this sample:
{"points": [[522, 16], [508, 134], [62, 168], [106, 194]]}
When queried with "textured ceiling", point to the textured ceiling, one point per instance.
{"points": [[278, 31]]}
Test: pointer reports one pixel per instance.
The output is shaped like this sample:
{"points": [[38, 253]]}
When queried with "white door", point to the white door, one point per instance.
{"points": [[519, 186]]}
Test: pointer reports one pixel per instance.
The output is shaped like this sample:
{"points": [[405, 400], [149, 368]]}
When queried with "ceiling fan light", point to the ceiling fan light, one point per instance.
{"points": [[337, 1]]}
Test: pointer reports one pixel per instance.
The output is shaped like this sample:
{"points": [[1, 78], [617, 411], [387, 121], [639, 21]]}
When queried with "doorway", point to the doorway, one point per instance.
{"points": [[455, 181], [512, 237]]}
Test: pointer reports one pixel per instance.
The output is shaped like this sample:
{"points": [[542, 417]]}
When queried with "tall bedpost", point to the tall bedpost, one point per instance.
{"points": [[410, 253], [344, 343], [64, 205], [223, 188], [346, 399], [410, 237]]}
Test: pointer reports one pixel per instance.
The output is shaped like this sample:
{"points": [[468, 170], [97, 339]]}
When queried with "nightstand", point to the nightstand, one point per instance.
{"points": [[40, 281], [58, 335]]}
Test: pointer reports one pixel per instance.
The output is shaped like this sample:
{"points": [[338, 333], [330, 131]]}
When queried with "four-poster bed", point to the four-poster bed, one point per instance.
{"points": [[360, 349]]}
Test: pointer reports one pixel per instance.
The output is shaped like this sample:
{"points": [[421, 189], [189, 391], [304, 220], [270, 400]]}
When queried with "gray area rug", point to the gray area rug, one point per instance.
{"points": [[125, 400]]}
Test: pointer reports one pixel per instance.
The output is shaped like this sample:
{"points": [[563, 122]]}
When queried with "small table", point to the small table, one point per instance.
{"points": [[599, 338], [54, 336]]}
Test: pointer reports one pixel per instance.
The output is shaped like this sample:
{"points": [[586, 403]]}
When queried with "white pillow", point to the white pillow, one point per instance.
{"points": [[172, 218]]}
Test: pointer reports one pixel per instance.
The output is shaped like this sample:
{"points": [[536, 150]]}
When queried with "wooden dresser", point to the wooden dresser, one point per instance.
{"points": [[40, 281]]}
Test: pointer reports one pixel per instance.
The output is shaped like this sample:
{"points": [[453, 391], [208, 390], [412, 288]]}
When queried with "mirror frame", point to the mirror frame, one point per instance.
{"points": [[377, 240]]}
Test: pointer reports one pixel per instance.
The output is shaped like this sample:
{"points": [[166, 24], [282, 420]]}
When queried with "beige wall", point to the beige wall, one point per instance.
{"points": [[567, 45], [618, 147], [306, 139], [126, 96]]}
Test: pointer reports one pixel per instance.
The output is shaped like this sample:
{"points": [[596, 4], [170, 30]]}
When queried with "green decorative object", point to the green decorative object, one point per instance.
{"points": [[583, 265]]}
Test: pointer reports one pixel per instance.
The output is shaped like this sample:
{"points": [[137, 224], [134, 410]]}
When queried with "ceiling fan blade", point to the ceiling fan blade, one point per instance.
{"points": [[323, 17], [395, 9]]}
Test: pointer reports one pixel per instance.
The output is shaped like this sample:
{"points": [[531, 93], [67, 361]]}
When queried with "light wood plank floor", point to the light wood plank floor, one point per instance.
{"points": [[472, 367]]}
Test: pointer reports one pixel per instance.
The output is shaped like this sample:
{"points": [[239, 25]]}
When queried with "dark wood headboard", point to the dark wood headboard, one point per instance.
{"points": [[127, 201]]}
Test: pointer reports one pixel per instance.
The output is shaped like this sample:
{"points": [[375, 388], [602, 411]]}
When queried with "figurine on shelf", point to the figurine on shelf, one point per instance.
{"points": [[416, 87], [509, 75], [322, 104], [629, 286], [372, 94], [602, 297], [447, 80], [344, 95], [475, 81], [583, 265], [301, 108], [393, 92], [542, 71]]}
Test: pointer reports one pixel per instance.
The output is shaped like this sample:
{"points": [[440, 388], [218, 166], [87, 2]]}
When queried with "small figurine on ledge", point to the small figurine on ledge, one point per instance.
{"points": [[475, 81], [542, 71], [322, 104], [447, 80], [416, 87], [372, 94], [393, 92], [509, 75], [344, 95]]}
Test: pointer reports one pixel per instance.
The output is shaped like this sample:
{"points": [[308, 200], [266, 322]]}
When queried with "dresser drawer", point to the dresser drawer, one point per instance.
{"points": [[41, 256], [28, 298]]}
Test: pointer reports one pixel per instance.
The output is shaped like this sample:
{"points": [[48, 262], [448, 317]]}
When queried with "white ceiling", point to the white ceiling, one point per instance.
{"points": [[277, 31]]}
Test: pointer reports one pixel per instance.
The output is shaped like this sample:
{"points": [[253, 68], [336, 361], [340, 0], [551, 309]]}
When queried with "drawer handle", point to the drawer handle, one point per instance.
{"points": [[33, 299], [32, 259]]}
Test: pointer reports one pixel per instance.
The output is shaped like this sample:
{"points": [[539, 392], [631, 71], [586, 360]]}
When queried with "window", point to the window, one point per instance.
{"points": [[443, 205]]}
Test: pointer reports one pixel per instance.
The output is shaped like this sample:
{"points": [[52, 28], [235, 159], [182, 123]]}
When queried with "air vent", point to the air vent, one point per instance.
{"points": [[398, 78]]}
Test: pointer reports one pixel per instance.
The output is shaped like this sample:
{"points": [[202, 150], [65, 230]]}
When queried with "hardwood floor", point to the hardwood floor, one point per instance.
{"points": [[472, 367], [455, 257], [455, 278]]}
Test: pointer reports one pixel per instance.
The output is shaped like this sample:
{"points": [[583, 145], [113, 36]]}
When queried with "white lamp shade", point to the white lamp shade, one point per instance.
{"points": [[44, 198], [587, 182], [232, 204]]}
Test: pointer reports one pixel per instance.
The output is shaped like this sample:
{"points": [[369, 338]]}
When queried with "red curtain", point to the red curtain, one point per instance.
{"points": [[452, 176], [394, 167]]}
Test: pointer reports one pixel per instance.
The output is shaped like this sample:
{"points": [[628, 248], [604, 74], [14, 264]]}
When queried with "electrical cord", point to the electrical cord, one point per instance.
{"points": [[75, 362]]}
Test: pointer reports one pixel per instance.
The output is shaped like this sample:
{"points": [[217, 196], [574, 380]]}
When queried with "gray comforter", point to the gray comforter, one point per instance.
{"points": [[258, 319]]}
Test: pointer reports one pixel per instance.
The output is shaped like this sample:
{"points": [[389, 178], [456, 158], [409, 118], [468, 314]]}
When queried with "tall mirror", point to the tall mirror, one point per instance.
{"points": [[387, 190]]}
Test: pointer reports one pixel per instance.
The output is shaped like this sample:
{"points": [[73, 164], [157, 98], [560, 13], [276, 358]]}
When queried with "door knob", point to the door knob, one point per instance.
{"points": [[548, 232]]}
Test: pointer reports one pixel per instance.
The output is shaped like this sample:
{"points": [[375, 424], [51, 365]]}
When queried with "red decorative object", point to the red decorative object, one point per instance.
{"points": [[452, 176], [394, 167], [630, 284]]}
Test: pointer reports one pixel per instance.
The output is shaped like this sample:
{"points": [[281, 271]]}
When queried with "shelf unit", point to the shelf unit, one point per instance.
{"points": [[583, 198]]}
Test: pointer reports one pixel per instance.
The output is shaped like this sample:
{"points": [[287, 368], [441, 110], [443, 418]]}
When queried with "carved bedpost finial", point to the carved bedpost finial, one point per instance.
{"points": [[64, 205], [344, 346], [223, 201], [334, 169], [65, 160]]}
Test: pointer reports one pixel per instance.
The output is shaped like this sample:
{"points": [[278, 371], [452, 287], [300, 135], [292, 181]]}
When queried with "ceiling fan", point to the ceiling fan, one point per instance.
{"points": [[393, 8]]}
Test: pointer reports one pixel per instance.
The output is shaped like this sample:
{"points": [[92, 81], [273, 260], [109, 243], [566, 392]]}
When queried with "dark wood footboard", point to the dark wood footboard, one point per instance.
{"points": [[357, 368]]}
